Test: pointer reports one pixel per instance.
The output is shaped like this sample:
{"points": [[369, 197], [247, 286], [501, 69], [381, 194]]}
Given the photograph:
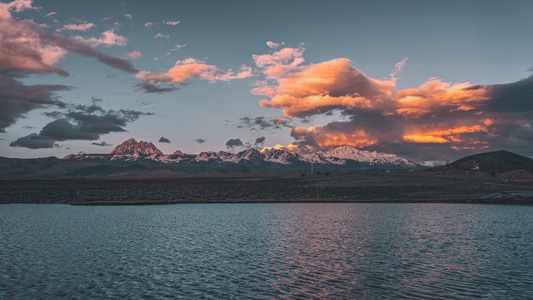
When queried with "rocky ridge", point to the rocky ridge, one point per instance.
{"points": [[131, 150]]}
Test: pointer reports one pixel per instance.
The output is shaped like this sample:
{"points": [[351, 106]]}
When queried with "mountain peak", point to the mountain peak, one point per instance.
{"points": [[132, 147]]}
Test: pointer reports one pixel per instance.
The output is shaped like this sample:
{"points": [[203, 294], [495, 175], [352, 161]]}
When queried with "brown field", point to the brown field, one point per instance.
{"points": [[256, 188]]}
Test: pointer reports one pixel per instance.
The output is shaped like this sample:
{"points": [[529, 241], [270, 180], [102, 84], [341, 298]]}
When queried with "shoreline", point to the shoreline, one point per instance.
{"points": [[417, 187]]}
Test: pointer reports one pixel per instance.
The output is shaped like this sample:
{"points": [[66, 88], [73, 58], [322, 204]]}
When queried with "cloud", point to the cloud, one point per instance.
{"points": [[280, 63], [184, 70], [150, 88], [323, 87], [434, 120], [201, 141], [17, 99], [398, 68], [80, 122], [177, 47], [108, 38], [34, 141], [172, 23], [78, 27], [129, 16], [159, 35], [72, 46], [260, 141], [102, 144], [135, 54], [164, 140], [148, 24], [231, 143], [16, 6], [261, 123], [273, 45]]}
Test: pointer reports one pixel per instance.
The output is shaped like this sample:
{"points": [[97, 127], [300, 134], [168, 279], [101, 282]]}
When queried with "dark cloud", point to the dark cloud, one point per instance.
{"points": [[79, 123], [164, 140], [234, 143], [62, 130], [34, 141], [514, 97], [260, 140], [152, 88], [26, 51], [102, 144], [17, 99], [73, 46], [201, 141], [262, 123]]}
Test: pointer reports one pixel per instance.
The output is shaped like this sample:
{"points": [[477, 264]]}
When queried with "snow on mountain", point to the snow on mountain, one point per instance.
{"points": [[206, 156], [223, 156], [131, 150], [371, 157], [279, 156], [136, 149]]}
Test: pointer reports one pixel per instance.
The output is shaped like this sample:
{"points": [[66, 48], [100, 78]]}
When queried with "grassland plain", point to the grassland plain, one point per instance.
{"points": [[425, 187]]}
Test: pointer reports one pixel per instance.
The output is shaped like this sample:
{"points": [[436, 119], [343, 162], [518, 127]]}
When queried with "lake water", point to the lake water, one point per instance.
{"points": [[267, 251]]}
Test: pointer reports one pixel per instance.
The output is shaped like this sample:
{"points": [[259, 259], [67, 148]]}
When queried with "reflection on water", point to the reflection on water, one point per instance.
{"points": [[264, 251]]}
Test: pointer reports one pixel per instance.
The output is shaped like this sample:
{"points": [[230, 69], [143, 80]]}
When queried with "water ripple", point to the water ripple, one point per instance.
{"points": [[266, 251]]}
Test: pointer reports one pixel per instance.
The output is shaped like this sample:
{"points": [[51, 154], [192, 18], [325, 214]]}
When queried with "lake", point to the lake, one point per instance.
{"points": [[266, 251]]}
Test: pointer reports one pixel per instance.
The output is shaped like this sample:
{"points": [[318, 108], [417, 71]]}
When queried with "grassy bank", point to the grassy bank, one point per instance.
{"points": [[263, 188]]}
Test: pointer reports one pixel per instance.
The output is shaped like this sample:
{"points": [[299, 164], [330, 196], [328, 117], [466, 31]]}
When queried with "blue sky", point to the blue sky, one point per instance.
{"points": [[428, 80]]}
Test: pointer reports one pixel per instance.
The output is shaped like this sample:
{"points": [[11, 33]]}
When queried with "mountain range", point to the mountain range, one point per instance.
{"points": [[133, 158], [144, 158]]}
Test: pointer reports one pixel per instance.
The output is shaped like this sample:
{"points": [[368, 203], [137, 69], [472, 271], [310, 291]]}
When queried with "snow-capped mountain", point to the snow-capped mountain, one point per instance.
{"points": [[136, 149], [280, 156], [341, 155], [251, 160]]}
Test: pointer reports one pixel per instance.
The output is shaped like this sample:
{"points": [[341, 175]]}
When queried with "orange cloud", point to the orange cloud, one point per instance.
{"points": [[301, 107], [280, 63], [325, 138], [435, 93], [318, 88], [135, 54], [442, 136], [189, 68]]}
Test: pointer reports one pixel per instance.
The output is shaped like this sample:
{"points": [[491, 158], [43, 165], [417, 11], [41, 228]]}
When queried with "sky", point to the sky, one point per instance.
{"points": [[426, 80]]}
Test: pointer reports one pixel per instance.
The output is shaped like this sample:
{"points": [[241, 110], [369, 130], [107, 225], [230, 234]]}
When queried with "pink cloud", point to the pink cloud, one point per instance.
{"points": [[273, 45], [184, 70], [109, 38], [16, 6], [79, 27], [22, 49], [159, 35], [172, 23], [398, 68], [135, 54]]}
